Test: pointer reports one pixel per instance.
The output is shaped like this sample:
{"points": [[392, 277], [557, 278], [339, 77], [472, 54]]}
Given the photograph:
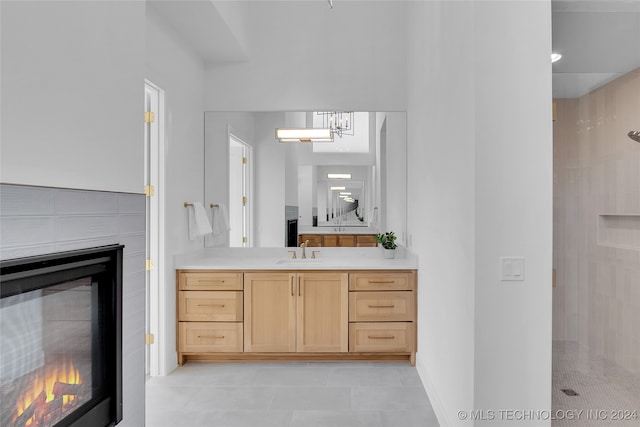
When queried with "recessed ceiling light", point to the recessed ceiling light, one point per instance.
{"points": [[338, 188], [555, 57], [339, 175]]}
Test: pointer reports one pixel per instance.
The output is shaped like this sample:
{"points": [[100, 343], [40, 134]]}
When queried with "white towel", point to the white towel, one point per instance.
{"points": [[220, 219], [198, 221]]}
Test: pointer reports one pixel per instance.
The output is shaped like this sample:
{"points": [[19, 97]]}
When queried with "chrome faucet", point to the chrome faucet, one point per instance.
{"points": [[304, 246]]}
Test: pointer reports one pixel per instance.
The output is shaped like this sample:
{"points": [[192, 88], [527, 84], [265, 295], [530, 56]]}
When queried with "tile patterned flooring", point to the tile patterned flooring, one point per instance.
{"points": [[289, 395], [606, 390]]}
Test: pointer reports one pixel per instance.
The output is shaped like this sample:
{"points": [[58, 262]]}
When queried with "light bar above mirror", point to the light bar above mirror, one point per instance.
{"points": [[304, 135]]}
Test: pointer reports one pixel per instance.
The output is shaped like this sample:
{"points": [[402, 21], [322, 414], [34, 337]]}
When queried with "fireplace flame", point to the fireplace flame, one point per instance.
{"points": [[46, 387]]}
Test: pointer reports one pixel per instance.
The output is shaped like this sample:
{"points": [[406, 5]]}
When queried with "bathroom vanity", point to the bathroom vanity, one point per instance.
{"points": [[259, 304]]}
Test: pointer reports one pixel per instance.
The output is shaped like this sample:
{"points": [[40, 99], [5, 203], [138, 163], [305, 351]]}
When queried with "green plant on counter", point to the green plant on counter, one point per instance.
{"points": [[387, 240]]}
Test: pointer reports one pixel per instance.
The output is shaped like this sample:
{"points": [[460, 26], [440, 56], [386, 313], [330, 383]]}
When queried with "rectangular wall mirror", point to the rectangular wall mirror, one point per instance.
{"points": [[275, 191]]}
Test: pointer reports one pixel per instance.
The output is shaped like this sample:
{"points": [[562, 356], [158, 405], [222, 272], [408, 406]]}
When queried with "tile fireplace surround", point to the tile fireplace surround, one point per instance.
{"points": [[40, 220]]}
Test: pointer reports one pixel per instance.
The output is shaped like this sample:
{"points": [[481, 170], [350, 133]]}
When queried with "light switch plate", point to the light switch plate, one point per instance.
{"points": [[511, 269]]}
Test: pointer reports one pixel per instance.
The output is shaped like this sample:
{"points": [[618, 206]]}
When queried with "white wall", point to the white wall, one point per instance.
{"points": [[513, 201], [72, 94], [440, 203], [171, 65], [476, 192], [396, 175], [269, 189], [351, 57]]}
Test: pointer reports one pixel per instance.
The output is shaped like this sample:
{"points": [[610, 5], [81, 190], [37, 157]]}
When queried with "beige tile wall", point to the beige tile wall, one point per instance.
{"points": [[597, 188]]}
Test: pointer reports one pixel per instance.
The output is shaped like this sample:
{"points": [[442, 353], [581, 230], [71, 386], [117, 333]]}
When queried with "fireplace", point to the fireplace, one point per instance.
{"points": [[61, 339]]}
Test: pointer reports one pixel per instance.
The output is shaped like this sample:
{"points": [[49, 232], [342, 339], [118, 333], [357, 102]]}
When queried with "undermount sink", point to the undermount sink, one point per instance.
{"points": [[298, 261]]}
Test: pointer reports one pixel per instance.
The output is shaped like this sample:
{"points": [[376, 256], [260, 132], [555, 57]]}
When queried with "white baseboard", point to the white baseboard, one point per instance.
{"points": [[432, 393]]}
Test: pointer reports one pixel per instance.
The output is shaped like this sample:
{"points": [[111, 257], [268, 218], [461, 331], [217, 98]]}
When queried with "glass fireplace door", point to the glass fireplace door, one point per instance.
{"points": [[56, 348]]}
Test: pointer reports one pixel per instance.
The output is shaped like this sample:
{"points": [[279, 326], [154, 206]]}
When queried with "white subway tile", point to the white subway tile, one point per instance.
{"points": [[84, 227], [22, 200], [132, 203], [86, 202], [26, 231], [131, 223]]}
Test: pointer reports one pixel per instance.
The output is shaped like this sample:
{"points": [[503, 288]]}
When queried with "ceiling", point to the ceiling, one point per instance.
{"points": [[203, 27], [598, 40]]}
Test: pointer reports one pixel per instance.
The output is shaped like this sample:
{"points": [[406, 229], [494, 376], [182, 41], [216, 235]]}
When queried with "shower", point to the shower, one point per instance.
{"points": [[635, 135]]}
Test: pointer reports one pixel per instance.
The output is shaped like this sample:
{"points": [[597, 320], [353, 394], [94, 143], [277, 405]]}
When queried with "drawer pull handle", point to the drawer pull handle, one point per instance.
{"points": [[381, 337], [210, 336], [210, 305], [381, 306], [381, 281]]}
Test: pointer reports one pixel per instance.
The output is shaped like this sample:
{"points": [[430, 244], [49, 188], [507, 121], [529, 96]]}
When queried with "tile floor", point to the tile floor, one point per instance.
{"points": [[606, 390], [289, 395]]}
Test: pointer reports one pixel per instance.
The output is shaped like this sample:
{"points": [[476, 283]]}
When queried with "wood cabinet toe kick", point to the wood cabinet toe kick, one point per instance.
{"points": [[238, 316]]}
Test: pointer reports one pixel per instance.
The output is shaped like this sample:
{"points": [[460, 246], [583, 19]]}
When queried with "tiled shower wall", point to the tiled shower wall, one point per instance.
{"points": [[40, 220], [596, 250]]}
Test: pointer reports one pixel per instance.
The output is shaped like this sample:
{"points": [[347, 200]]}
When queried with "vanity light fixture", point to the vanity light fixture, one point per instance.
{"points": [[304, 135], [555, 57], [339, 176], [338, 188]]}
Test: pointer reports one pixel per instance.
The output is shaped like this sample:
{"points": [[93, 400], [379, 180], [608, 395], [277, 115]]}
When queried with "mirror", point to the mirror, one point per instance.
{"points": [[275, 190], [343, 202]]}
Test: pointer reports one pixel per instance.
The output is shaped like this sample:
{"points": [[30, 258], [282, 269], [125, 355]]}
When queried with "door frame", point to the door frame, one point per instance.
{"points": [[155, 176]]}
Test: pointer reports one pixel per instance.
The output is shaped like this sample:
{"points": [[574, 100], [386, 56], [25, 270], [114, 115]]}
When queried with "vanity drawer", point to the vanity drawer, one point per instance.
{"points": [[381, 337], [380, 306], [204, 306], [389, 281], [203, 337], [209, 280]]}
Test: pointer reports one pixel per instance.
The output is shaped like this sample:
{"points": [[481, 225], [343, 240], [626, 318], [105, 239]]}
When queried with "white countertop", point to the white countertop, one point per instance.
{"points": [[280, 259]]}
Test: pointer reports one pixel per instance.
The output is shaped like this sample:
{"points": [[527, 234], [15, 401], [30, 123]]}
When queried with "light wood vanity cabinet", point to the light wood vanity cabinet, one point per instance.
{"points": [[296, 312], [303, 315], [338, 240]]}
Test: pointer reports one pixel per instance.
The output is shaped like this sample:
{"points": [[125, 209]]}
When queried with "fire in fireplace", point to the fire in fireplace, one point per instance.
{"points": [[60, 347], [52, 394]]}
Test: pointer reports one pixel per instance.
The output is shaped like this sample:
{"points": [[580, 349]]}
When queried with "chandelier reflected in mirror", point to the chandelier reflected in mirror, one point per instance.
{"points": [[339, 122]]}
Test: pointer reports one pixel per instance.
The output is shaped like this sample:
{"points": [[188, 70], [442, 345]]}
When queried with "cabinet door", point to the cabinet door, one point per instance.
{"points": [[330, 240], [270, 312], [323, 312], [346, 240]]}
